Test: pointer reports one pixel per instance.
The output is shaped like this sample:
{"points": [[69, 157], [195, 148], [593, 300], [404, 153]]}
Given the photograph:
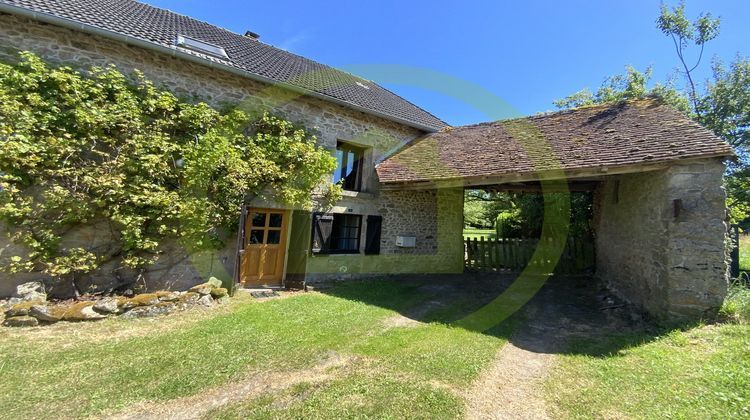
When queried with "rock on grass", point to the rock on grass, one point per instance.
{"points": [[47, 314], [21, 321], [22, 308], [208, 287], [108, 305], [219, 292], [167, 296], [82, 311], [144, 299], [189, 298], [213, 281], [161, 308], [206, 300], [202, 289]]}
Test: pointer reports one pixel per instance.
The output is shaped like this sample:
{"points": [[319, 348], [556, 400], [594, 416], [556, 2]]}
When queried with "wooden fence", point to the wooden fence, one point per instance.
{"points": [[510, 254]]}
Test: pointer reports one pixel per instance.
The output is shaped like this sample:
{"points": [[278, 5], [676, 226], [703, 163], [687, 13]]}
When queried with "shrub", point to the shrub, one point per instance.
{"points": [[78, 148], [507, 224]]}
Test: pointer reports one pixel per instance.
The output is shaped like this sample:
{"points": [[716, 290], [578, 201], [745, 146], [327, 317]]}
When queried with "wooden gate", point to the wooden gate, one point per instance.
{"points": [[512, 254]]}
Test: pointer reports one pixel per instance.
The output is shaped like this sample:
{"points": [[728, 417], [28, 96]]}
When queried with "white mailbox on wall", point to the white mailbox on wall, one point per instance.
{"points": [[406, 241]]}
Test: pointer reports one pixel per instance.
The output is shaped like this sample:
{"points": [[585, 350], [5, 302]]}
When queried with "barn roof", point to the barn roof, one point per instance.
{"points": [[595, 137]]}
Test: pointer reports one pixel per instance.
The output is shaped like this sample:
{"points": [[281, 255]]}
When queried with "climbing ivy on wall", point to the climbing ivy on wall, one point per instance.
{"points": [[82, 147]]}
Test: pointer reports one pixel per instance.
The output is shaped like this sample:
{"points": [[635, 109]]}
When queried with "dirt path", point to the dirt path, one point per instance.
{"points": [[197, 406], [513, 386]]}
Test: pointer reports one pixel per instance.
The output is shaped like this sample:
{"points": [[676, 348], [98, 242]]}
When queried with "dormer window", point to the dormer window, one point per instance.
{"points": [[200, 46]]}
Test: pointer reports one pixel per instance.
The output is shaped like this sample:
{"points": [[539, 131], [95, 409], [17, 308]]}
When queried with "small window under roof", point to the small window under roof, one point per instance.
{"points": [[200, 46]]}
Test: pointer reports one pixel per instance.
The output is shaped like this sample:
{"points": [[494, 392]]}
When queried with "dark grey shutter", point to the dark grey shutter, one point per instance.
{"points": [[372, 237], [322, 225]]}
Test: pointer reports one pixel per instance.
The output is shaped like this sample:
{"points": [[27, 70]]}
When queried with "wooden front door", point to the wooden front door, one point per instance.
{"points": [[262, 259]]}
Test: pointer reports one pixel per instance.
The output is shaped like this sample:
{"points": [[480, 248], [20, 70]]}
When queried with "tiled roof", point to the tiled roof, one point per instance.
{"points": [[161, 27], [603, 136]]}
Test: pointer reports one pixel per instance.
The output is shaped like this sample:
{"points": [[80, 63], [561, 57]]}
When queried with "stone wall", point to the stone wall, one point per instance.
{"points": [[433, 217], [331, 122], [192, 80], [410, 213], [670, 262]]}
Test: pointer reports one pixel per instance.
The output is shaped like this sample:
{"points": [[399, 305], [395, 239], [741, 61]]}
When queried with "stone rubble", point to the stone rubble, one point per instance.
{"points": [[29, 309], [33, 290], [108, 305], [45, 314], [21, 321]]}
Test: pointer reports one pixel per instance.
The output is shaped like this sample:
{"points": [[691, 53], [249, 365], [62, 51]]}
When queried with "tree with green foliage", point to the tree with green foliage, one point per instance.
{"points": [[474, 214], [722, 105], [631, 85], [481, 208], [521, 215], [82, 148], [508, 223], [725, 109], [725, 105], [524, 216]]}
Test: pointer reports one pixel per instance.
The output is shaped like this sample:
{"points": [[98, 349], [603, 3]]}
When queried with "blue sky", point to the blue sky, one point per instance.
{"points": [[527, 53]]}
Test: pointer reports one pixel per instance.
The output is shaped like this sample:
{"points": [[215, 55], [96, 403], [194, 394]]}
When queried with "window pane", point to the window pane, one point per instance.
{"points": [[351, 174], [275, 220], [259, 219], [352, 221], [350, 159], [256, 237], [340, 162], [348, 172], [345, 233], [274, 237]]}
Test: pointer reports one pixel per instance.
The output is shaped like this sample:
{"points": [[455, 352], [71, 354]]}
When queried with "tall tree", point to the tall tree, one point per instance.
{"points": [[726, 110], [722, 104], [725, 106], [685, 34]]}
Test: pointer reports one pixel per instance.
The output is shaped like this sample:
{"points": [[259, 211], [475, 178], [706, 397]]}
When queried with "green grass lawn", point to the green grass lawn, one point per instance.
{"points": [[745, 252], [699, 372], [479, 233], [102, 368], [385, 370]]}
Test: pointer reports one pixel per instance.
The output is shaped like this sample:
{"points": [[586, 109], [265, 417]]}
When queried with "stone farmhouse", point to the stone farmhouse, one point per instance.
{"points": [[657, 177]]}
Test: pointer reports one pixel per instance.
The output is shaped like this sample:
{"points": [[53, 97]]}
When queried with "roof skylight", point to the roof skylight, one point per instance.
{"points": [[200, 46]]}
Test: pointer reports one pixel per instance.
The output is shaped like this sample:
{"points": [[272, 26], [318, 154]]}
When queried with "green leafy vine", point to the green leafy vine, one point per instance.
{"points": [[79, 148]]}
